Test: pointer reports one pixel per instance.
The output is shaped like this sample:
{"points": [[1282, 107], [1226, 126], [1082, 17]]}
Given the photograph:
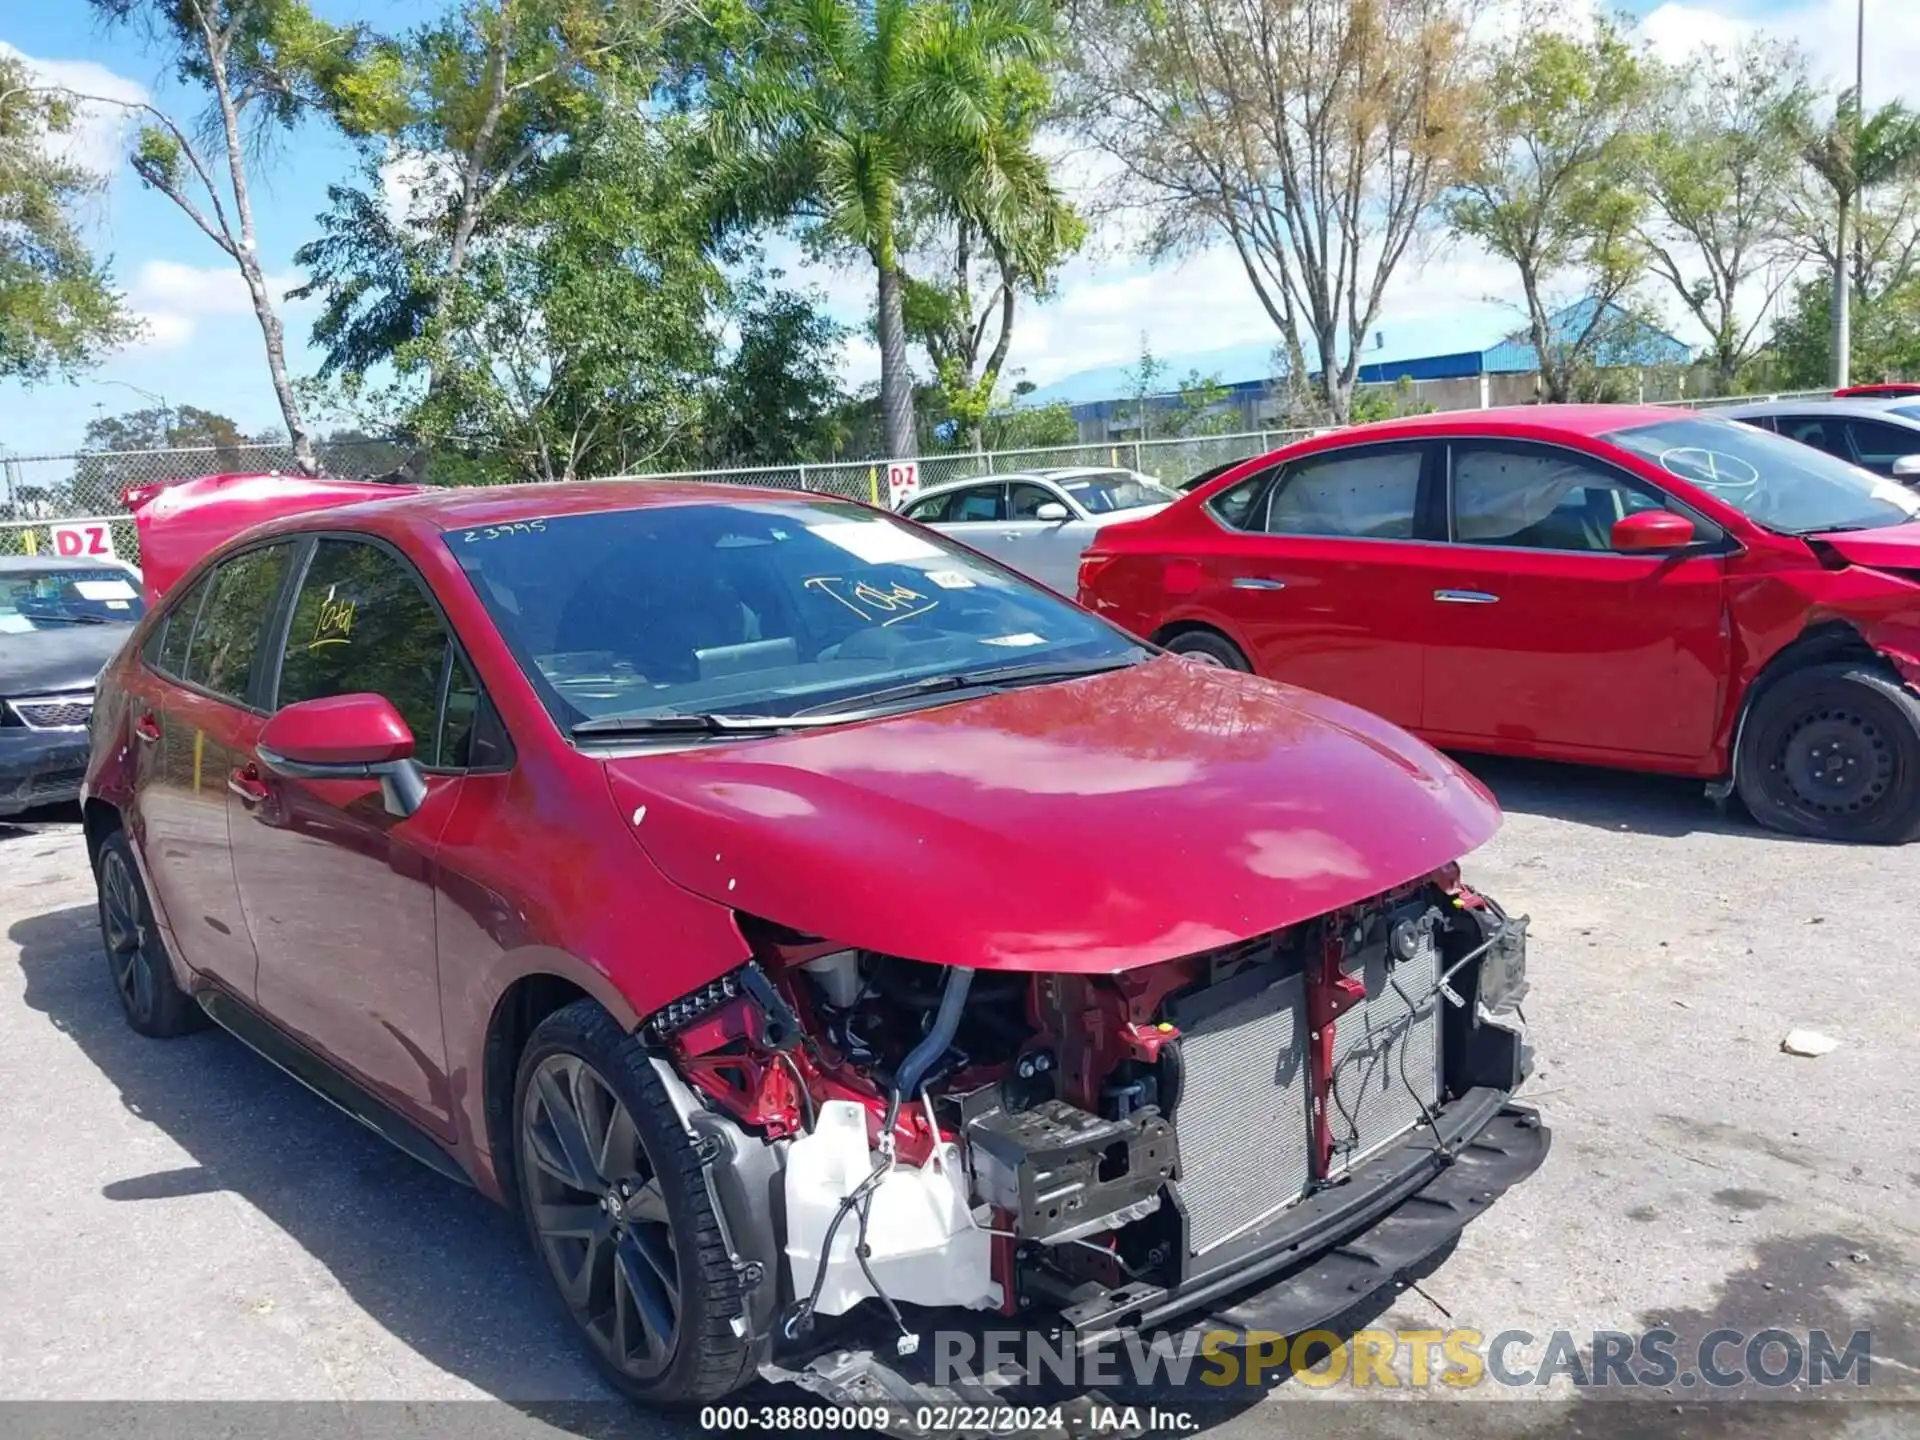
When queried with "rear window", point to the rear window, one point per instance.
{"points": [[763, 608]]}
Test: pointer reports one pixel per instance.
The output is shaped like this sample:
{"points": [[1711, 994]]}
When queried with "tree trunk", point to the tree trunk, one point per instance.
{"points": [[896, 385], [1842, 321]]}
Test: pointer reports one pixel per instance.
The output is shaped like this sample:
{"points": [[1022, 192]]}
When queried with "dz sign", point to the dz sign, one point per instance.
{"points": [[83, 538]]}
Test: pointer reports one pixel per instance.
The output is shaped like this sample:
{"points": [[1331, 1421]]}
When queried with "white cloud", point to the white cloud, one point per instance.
{"points": [[97, 139], [1824, 28], [173, 298]]}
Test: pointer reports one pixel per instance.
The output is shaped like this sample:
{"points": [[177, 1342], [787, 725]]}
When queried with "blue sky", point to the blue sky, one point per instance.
{"points": [[204, 348]]}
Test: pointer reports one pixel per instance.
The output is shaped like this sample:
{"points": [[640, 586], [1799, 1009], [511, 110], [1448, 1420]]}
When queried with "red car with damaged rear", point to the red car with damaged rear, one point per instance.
{"points": [[1615, 585], [817, 932]]}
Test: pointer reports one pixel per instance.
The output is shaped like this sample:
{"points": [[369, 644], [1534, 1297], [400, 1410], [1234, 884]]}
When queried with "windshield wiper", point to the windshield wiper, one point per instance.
{"points": [[681, 724], [1035, 673], [44, 618]]}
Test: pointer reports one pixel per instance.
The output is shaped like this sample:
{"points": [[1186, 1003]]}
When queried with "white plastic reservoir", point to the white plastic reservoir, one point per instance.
{"points": [[924, 1246]]}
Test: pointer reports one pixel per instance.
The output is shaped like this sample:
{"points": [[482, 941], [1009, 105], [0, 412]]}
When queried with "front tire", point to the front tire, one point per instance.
{"points": [[617, 1208], [1210, 647], [1833, 752], [137, 959]]}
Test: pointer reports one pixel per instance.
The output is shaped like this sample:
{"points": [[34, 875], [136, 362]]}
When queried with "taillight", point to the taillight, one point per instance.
{"points": [[1090, 568]]}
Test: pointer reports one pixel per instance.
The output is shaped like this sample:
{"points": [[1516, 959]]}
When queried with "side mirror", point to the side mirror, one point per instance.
{"points": [[1907, 467], [346, 737], [1053, 512], [1651, 530]]}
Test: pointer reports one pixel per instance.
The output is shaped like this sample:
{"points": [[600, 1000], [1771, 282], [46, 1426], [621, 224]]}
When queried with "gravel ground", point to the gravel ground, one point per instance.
{"points": [[178, 1221]]}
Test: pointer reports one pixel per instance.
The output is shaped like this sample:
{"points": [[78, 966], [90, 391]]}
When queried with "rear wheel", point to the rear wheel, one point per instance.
{"points": [[617, 1208], [1833, 752], [137, 959], [1209, 647]]}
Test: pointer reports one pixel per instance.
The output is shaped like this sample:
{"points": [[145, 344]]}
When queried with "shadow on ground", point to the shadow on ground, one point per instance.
{"points": [[1616, 800]]}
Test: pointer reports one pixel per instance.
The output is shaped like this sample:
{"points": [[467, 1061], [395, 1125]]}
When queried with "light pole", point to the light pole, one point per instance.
{"points": [[166, 410], [1842, 281]]}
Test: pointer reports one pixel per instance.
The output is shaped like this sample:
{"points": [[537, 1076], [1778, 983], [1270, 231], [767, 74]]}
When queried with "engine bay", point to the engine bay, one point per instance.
{"points": [[998, 1140]]}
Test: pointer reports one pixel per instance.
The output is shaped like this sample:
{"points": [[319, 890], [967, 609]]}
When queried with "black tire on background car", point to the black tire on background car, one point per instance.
{"points": [[1833, 752], [137, 959], [1209, 647], [618, 1211]]}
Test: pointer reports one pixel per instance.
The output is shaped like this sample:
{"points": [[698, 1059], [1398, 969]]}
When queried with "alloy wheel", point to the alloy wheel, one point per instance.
{"points": [[600, 1215], [125, 932]]}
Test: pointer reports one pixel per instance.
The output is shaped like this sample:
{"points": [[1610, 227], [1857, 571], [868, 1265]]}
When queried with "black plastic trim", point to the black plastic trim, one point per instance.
{"points": [[327, 1081]]}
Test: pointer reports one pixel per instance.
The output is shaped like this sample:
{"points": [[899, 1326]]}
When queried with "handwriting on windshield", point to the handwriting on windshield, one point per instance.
{"points": [[882, 605], [495, 532]]}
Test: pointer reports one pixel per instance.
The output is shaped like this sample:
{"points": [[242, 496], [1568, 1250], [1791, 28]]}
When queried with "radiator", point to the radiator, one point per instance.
{"points": [[1242, 1117], [1244, 1113], [1386, 1054]]}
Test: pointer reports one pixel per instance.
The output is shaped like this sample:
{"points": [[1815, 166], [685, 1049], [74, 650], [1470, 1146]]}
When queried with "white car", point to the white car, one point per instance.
{"points": [[1038, 521]]}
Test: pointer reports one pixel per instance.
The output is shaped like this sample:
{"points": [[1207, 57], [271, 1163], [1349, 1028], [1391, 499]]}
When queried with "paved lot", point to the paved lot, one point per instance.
{"points": [[179, 1221]]}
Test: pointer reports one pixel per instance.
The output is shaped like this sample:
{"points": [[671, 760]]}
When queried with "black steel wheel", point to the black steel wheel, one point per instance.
{"points": [[1209, 647], [617, 1207], [137, 958], [1833, 751]]}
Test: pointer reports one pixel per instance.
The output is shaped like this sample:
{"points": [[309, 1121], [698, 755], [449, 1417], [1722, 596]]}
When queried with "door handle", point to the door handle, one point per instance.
{"points": [[146, 728], [1466, 597], [1254, 582], [248, 786]]}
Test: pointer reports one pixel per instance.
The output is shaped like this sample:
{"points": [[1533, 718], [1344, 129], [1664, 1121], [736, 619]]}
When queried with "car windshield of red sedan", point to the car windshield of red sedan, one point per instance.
{"points": [[761, 610], [36, 599], [1773, 481], [1115, 490]]}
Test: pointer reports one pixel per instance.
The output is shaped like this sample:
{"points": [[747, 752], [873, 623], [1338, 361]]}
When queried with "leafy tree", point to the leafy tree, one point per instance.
{"points": [[119, 450], [1387, 402], [1314, 136], [1718, 170], [59, 312], [1852, 156], [1145, 382], [467, 109], [265, 64], [1885, 337], [776, 398], [833, 113], [1030, 427], [1552, 193]]}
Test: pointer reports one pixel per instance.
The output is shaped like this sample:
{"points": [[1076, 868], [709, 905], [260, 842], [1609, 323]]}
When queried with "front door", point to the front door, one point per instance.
{"points": [[338, 893], [1544, 637], [1321, 576], [1048, 550], [190, 723]]}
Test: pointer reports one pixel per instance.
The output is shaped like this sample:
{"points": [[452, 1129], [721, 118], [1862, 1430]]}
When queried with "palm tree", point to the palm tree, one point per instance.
{"points": [[1854, 155], [839, 109]]}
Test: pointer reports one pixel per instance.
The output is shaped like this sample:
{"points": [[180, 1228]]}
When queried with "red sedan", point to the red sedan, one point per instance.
{"points": [[796, 916], [1645, 588]]}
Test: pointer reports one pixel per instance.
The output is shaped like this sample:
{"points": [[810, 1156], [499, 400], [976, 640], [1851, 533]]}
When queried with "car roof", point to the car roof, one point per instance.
{"points": [[458, 507], [1055, 474], [1879, 407], [54, 565], [1589, 420]]}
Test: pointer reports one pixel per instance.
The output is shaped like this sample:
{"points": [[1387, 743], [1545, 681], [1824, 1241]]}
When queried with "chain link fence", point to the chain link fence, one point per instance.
{"points": [[40, 492]]}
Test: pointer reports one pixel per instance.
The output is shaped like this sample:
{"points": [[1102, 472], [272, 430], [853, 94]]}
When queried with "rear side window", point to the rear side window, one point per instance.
{"points": [[1369, 496], [1234, 506], [362, 624], [176, 631], [226, 637]]}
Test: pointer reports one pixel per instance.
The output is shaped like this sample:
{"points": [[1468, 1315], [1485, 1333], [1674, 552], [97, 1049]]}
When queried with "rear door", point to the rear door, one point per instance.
{"points": [[1321, 574], [1544, 637], [338, 894], [193, 724]]}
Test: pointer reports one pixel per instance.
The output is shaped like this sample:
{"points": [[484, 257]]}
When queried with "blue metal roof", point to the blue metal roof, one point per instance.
{"points": [[1471, 339]]}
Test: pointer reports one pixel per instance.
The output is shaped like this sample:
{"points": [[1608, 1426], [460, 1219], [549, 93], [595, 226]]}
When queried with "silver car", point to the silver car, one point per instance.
{"points": [[1881, 435], [1039, 521]]}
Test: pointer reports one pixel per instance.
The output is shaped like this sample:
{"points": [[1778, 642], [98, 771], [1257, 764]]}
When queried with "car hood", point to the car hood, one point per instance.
{"points": [[70, 657], [1895, 547], [1087, 826]]}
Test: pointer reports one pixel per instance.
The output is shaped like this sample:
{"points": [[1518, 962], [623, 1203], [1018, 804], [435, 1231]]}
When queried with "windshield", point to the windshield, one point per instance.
{"points": [[1775, 482], [57, 599], [762, 607], [1115, 490]]}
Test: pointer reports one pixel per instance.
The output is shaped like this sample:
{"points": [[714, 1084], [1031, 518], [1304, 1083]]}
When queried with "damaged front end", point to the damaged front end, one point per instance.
{"points": [[900, 1148]]}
